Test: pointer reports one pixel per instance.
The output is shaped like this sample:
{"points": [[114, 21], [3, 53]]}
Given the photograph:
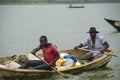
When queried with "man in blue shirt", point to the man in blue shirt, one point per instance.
{"points": [[94, 42]]}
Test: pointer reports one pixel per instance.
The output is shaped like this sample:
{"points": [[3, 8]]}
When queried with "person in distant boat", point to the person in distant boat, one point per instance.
{"points": [[70, 5], [94, 42], [50, 55]]}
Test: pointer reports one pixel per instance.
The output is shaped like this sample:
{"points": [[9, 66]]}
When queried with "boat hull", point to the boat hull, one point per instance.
{"points": [[35, 74], [95, 64], [114, 23], [24, 74], [76, 7]]}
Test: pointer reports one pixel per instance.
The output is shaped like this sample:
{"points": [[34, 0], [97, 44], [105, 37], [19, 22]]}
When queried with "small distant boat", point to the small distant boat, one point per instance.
{"points": [[80, 6], [114, 23]]}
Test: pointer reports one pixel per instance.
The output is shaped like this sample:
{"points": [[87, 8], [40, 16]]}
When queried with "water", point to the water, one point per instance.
{"points": [[22, 25]]}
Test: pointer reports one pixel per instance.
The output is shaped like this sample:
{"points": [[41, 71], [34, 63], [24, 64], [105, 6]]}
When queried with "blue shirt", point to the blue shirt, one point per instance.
{"points": [[99, 41]]}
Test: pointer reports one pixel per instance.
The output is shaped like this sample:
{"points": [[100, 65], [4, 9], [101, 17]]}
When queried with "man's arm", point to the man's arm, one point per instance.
{"points": [[106, 46], [56, 58], [35, 50], [79, 46]]}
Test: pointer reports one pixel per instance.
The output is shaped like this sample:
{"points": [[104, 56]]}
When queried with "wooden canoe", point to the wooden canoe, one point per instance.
{"points": [[95, 64], [114, 23], [33, 74]]}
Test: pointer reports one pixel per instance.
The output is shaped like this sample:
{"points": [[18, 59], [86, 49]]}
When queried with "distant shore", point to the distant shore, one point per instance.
{"points": [[39, 3]]}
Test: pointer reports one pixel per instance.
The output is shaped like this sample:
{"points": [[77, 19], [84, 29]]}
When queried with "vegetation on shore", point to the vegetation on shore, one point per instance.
{"points": [[57, 1]]}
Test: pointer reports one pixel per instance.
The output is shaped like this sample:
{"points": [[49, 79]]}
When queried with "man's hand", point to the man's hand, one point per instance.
{"points": [[33, 51], [50, 64], [76, 47], [102, 51]]}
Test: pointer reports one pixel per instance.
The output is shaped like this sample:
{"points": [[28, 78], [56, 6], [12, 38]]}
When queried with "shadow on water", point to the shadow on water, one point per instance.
{"points": [[115, 32], [99, 74], [29, 79]]}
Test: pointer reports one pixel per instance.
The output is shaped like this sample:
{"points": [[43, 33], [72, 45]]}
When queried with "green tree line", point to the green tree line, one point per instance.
{"points": [[58, 1]]}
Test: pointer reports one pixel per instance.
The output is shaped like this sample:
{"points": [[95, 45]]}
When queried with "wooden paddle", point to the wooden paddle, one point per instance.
{"points": [[94, 51], [63, 75]]}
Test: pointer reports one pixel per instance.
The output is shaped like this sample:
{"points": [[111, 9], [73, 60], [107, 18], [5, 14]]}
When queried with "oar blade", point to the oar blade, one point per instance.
{"points": [[68, 76]]}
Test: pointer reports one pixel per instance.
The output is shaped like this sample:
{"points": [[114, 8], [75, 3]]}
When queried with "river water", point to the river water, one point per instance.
{"points": [[22, 25]]}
